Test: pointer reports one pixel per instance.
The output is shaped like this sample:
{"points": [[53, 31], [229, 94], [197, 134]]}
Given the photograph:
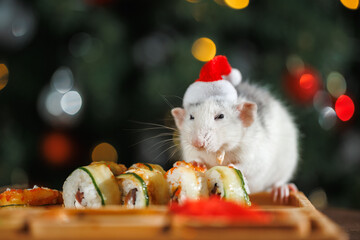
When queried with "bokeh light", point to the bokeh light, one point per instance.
{"points": [[302, 85], [62, 79], [321, 100], [237, 4], [307, 81], [17, 24], [104, 152], [318, 198], [327, 118], [351, 4], [57, 148], [4, 76], [19, 27], [52, 103], [344, 108], [71, 102], [203, 49], [152, 50], [294, 64], [336, 84]]}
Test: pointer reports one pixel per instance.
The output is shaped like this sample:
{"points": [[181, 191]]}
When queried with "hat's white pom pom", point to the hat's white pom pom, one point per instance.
{"points": [[234, 77]]}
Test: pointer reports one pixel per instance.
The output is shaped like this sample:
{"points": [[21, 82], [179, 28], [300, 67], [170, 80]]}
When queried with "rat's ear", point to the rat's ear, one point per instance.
{"points": [[179, 116], [247, 113]]}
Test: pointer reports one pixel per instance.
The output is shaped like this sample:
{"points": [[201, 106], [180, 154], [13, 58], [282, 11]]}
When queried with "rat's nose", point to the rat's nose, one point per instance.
{"points": [[198, 143]]}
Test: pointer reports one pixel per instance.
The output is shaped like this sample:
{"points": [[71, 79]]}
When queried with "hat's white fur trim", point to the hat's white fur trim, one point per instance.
{"points": [[234, 77], [198, 92]]}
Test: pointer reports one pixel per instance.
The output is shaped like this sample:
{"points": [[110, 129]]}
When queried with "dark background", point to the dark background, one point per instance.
{"points": [[131, 61]]}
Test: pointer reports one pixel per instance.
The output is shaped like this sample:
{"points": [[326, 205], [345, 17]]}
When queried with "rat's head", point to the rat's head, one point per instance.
{"points": [[214, 124]]}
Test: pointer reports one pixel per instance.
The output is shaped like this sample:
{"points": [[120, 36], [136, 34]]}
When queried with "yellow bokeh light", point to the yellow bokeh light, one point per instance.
{"points": [[104, 152], [336, 84], [237, 4], [203, 49], [4, 76], [351, 4], [193, 1]]}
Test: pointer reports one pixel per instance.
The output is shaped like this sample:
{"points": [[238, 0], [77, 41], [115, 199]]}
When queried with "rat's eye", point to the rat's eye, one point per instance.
{"points": [[220, 116], [191, 117]]}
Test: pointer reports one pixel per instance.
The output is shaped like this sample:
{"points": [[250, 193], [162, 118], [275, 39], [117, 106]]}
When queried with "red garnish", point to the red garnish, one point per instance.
{"points": [[215, 209]]}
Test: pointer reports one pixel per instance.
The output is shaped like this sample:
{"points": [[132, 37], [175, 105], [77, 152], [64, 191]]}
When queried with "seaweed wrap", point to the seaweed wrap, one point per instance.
{"points": [[228, 183], [91, 186]]}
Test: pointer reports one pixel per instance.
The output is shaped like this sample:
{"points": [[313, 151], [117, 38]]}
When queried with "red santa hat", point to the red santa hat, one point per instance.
{"points": [[217, 80]]}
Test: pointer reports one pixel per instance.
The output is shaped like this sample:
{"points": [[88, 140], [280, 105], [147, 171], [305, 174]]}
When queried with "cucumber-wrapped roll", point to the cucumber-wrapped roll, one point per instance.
{"points": [[228, 183], [186, 182], [91, 186], [115, 168], [148, 166], [142, 187]]}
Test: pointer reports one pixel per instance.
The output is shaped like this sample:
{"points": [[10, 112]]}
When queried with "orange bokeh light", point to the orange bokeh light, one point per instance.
{"points": [[344, 108], [57, 148]]}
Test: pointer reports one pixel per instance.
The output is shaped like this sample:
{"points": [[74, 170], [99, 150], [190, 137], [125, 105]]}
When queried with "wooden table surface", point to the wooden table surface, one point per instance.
{"points": [[349, 220]]}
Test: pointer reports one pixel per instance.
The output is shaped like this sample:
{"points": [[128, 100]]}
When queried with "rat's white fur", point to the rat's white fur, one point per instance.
{"points": [[266, 151]]}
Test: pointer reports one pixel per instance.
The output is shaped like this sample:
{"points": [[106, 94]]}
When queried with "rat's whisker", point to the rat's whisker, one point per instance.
{"points": [[153, 124], [172, 154], [149, 138], [165, 151], [159, 144], [167, 101]]}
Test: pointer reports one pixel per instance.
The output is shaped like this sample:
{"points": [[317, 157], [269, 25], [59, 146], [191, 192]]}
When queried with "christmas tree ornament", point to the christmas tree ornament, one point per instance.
{"points": [[217, 80]]}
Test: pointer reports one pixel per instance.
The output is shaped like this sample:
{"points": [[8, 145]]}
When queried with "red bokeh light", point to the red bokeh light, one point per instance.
{"points": [[57, 148], [344, 108], [307, 81], [302, 85]]}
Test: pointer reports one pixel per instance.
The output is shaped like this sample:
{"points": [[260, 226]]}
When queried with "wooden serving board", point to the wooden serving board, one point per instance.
{"points": [[296, 220]]}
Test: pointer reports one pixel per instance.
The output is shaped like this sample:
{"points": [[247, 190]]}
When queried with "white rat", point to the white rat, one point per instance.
{"points": [[255, 133]]}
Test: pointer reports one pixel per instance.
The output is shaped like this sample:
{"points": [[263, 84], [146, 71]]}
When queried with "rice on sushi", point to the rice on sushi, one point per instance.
{"points": [[186, 182]]}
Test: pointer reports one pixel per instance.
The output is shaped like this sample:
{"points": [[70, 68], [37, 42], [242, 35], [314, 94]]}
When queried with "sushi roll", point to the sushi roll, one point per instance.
{"points": [[36, 196], [228, 183], [186, 182], [142, 187], [148, 166], [115, 168], [91, 186]]}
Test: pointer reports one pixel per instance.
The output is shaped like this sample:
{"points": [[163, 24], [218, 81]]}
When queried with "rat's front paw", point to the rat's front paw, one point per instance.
{"points": [[281, 193]]}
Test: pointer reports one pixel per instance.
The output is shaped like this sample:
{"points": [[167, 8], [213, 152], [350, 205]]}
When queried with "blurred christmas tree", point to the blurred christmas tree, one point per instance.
{"points": [[79, 71]]}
